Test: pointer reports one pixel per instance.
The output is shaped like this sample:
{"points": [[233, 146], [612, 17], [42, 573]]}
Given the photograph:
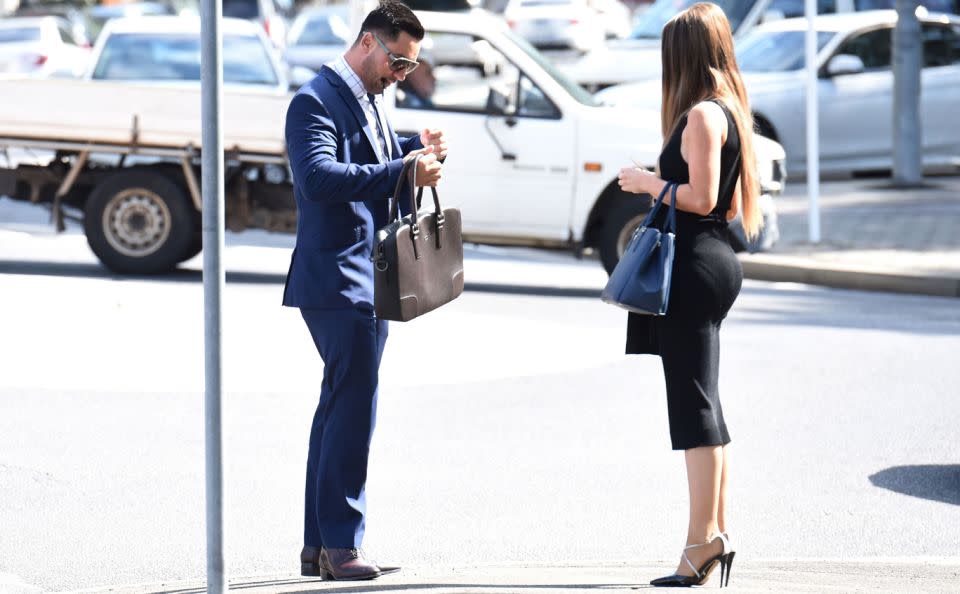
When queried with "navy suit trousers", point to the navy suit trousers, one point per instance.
{"points": [[350, 342]]}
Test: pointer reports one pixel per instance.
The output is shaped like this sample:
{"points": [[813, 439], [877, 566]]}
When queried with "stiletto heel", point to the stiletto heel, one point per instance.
{"points": [[729, 565], [702, 573]]}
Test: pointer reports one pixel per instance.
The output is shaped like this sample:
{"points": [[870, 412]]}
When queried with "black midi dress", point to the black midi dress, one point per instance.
{"points": [[706, 280]]}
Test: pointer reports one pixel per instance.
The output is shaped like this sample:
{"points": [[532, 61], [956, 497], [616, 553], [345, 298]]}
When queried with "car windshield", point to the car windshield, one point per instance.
{"points": [[578, 92], [156, 57], [19, 34], [241, 9], [328, 29], [776, 51], [650, 23]]}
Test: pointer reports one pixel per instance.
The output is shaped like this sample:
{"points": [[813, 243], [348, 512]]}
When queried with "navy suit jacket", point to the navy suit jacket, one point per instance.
{"points": [[342, 191]]}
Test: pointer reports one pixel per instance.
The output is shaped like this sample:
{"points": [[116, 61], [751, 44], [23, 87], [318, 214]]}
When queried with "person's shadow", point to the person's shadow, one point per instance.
{"points": [[937, 482]]}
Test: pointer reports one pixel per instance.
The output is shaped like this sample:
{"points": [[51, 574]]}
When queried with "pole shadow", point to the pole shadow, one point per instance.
{"points": [[936, 482]]}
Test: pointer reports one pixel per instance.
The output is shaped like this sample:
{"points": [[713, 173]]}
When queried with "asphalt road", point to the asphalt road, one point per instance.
{"points": [[511, 427]]}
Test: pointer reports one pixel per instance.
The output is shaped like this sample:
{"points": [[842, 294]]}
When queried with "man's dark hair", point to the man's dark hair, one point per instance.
{"points": [[389, 19]]}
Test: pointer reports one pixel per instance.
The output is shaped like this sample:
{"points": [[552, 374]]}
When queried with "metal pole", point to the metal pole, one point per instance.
{"points": [[813, 124], [211, 83], [907, 132]]}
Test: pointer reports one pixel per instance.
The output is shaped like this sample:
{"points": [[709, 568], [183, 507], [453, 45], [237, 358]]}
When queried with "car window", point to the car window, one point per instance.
{"points": [[323, 30], [241, 9], [154, 57], [18, 34], [649, 25], [65, 35], [873, 47], [950, 6], [459, 76], [797, 8], [941, 45], [776, 51], [532, 102]]}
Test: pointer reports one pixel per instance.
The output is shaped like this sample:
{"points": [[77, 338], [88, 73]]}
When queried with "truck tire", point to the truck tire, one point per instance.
{"points": [[139, 222], [624, 215]]}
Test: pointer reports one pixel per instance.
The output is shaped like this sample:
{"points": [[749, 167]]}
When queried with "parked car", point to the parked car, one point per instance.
{"points": [[855, 89], [79, 23], [318, 36], [556, 23], [166, 50], [638, 57], [540, 159], [270, 14], [41, 47], [615, 16], [99, 15]]}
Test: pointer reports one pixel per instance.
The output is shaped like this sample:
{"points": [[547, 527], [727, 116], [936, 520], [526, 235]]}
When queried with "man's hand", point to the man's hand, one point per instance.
{"points": [[428, 168], [435, 138]]}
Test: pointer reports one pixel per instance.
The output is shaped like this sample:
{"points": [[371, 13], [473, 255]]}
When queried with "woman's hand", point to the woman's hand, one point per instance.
{"points": [[637, 180]]}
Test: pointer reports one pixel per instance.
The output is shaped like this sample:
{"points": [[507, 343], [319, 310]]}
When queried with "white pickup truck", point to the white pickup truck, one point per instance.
{"points": [[533, 158]]}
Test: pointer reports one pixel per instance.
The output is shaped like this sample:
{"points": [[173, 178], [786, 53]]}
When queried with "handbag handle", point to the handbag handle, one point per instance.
{"points": [[410, 171], [671, 224]]}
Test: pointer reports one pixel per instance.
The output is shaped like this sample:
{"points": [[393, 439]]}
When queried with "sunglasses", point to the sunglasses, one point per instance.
{"points": [[397, 63]]}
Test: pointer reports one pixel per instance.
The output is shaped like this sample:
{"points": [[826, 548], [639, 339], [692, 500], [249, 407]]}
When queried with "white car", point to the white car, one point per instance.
{"points": [[318, 36], [855, 89], [40, 47], [535, 158], [556, 23]]}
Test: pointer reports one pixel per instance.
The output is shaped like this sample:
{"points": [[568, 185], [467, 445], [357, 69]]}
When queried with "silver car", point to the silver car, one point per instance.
{"points": [[855, 89]]}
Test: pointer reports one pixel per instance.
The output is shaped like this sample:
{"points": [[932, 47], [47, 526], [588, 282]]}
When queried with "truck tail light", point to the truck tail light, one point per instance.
{"points": [[40, 60]]}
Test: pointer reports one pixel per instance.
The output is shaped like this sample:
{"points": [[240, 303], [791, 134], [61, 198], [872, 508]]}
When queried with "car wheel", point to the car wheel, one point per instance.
{"points": [[623, 217], [139, 222]]}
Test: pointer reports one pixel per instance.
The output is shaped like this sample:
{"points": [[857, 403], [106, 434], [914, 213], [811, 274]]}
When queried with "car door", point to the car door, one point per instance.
{"points": [[856, 110], [510, 174], [940, 80]]}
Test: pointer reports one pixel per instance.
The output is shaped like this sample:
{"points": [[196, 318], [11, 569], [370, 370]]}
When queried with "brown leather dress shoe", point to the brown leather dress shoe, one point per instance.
{"points": [[346, 565], [310, 563]]}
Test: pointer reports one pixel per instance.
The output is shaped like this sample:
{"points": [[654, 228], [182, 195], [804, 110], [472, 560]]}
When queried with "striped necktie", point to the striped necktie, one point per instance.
{"points": [[381, 136]]}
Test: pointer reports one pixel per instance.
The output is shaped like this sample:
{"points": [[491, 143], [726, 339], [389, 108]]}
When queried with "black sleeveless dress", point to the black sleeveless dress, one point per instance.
{"points": [[706, 281]]}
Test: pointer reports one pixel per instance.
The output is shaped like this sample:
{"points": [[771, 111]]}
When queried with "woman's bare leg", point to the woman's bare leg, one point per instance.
{"points": [[704, 477], [724, 478]]}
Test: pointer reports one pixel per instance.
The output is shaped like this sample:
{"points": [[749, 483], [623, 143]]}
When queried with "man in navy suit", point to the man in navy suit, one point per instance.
{"points": [[346, 160]]}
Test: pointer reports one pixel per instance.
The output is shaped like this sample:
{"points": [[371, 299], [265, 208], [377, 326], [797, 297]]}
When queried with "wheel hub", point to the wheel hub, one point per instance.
{"points": [[136, 222]]}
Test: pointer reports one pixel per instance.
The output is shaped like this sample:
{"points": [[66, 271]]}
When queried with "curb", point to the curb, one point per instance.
{"points": [[766, 268]]}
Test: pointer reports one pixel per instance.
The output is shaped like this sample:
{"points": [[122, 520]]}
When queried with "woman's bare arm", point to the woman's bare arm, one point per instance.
{"points": [[700, 145]]}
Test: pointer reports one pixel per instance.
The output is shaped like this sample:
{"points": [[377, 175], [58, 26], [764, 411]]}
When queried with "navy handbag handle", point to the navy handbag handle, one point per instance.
{"points": [[671, 225]]}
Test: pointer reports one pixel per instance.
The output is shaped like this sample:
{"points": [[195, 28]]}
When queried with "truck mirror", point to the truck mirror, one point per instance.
{"points": [[498, 103]]}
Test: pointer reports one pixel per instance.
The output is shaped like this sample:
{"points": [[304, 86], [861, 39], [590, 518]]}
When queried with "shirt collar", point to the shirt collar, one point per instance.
{"points": [[350, 77]]}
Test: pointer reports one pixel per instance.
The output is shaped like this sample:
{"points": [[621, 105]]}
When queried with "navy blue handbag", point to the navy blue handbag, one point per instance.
{"points": [[641, 280]]}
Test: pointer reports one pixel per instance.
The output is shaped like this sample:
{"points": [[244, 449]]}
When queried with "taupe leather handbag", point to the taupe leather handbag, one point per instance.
{"points": [[417, 259]]}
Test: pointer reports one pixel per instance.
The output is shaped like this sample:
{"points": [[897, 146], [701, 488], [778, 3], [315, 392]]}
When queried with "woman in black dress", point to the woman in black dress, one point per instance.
{"points": [[708, 151]]}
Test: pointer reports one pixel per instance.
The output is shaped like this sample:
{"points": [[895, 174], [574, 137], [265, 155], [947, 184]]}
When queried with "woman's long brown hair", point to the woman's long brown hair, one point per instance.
{"points": [[699, 64]]}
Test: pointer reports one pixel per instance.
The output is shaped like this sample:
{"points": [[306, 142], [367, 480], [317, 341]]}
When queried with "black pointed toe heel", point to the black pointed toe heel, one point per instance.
{"points": [[702, 573]]}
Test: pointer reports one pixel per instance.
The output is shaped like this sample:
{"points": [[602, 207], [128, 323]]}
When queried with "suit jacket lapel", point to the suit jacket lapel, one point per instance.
{"points": [[351, 101]]}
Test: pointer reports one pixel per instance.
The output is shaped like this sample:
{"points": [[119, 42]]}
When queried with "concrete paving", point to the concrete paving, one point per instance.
{"points": [[873, 237], [784, 575]]}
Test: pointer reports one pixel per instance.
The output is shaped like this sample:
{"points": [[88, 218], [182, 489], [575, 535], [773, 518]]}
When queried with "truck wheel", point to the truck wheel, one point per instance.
{"points": [[139, 222], [196, 246], [623, 217]]}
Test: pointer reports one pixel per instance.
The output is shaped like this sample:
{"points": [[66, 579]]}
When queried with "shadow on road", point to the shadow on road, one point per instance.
{"points": [[80, 270], [937, 482]]}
